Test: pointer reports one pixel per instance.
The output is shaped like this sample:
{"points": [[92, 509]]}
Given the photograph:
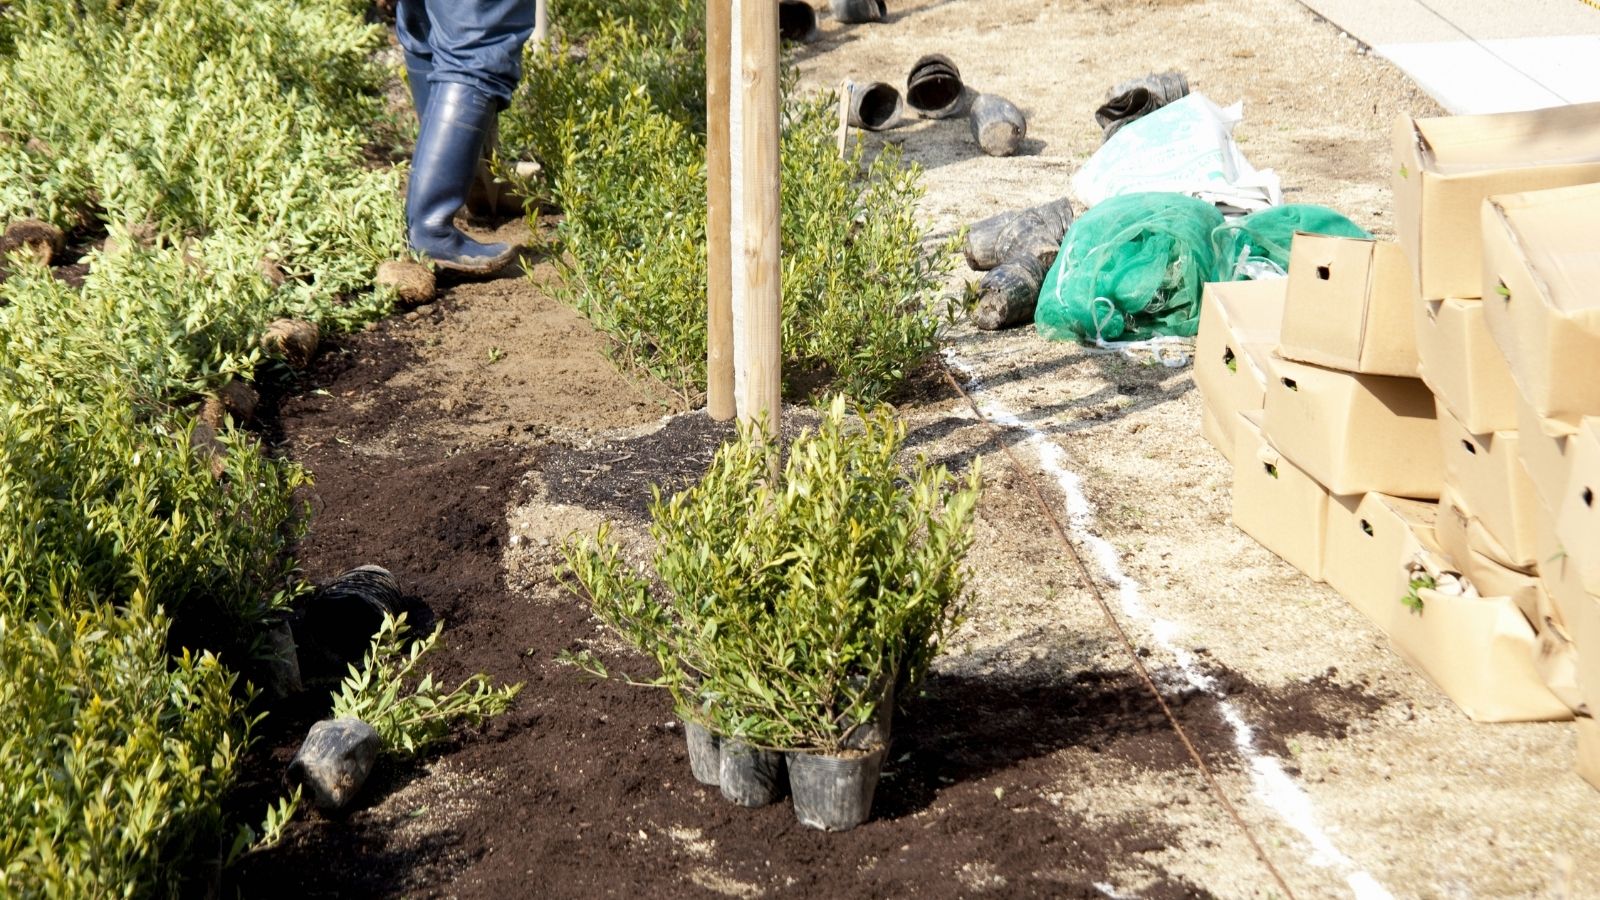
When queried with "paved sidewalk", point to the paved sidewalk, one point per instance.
{"points": [[1481, 56]]}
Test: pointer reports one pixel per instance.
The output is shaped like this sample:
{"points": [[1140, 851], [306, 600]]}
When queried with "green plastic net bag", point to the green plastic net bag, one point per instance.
{"points": [[1257, 245], [1131, 268]]}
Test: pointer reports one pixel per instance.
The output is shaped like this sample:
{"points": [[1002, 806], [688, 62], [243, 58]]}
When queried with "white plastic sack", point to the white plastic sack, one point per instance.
{"points": [[1185, 147]]}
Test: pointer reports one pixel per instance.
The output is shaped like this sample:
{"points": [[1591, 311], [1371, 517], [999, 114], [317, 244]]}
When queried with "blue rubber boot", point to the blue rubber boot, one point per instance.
{"points": [[448, 148]]}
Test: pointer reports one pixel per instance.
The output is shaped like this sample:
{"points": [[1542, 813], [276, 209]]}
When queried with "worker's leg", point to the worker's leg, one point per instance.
{"points": [[476, 58], [478, 43], [411, 26]]}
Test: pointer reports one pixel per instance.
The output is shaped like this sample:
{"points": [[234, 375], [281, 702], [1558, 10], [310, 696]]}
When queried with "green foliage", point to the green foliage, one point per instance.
{"points": [[112, 753], [619, 129], [208, 136], [781, 608], [1420, 581], [411, 713]]}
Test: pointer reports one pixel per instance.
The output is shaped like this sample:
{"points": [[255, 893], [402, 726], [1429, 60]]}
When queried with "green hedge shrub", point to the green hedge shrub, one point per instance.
{"points": [[619, 127]]}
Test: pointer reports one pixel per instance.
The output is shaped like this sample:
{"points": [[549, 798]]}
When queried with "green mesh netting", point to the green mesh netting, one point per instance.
{"points": [[1133, 267], [1259, 243], [1129, 269]]}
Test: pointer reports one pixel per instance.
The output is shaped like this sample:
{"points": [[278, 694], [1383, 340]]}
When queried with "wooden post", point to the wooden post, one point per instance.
{"points": [[757, 353], [719, 287], [541, 24]]}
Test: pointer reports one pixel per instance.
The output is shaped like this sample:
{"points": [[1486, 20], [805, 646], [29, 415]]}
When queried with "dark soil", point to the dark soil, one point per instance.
{"points": [[583, 788]]}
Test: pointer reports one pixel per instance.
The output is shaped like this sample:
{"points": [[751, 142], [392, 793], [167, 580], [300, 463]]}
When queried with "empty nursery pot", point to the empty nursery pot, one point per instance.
{"points": [[834, 793], [934, 86], [797, 21], [344, 614], [1140, 97], [750, 776], [705, 753], [997, 125], [1036, 232], [875, 106], [859, 12]]}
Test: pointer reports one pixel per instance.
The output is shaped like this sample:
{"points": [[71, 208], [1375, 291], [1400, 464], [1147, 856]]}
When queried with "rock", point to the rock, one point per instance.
{"points": [[334, 761], [41, 239], [413, 282], [293, 340]]}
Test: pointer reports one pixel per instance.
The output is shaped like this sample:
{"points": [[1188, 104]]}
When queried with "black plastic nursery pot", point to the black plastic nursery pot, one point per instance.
{"points": [[750, 776], [857, 12], [797, 21], [934, 87], [834, 792], [875, 106], [705, 753]]}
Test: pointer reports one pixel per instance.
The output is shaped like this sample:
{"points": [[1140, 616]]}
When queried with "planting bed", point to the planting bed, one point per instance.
{"points": [[584, 787]]}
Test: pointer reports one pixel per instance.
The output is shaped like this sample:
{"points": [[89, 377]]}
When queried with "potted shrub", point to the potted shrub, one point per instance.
{"points": [[784, 611]]}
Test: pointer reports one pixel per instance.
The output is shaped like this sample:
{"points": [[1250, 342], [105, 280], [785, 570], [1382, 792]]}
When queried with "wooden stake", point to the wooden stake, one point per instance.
{"points": [[541, 24], [720, 401], [758, 352]]}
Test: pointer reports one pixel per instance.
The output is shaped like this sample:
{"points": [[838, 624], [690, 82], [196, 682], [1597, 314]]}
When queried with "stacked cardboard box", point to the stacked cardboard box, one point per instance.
{"points": [[1427, 439]]}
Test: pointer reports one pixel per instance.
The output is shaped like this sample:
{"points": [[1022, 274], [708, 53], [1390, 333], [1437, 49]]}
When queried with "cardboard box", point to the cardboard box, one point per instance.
{"points": [[1462, 366], [1454, 532], [1556, 660], [1578, 516], [1541, 270], [1543, 444], [1583, 626], [1370, 539], [1558, 574], [1356, 433], [1275, 502], [1350, 306], [1589, 750], [1485, 471], [1446, 167], [1481, 652], [1239, 324]]}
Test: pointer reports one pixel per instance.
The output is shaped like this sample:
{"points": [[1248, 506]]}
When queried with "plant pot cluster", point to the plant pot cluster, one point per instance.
{"points": [[785, 613]]}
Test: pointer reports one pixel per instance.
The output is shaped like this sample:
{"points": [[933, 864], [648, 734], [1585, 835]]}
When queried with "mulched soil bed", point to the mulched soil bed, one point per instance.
{"points": [[584, 788]]}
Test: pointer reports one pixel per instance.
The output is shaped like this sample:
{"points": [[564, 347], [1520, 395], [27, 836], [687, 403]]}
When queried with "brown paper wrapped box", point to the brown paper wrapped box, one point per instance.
{"points": [[1486, 473], [1541, 270], [1462, 366], [1356, 433], [1369, 540], [1481, 651], [1350, 306], [1239, 324], [1274, 501], [1445, 167]]}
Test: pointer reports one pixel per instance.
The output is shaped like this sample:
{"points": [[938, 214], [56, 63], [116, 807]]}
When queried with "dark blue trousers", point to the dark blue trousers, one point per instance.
{"points": [[472, 42]]}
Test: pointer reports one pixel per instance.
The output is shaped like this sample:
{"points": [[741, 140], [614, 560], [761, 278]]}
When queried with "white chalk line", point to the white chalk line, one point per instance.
{"points": [[1273, 786]]}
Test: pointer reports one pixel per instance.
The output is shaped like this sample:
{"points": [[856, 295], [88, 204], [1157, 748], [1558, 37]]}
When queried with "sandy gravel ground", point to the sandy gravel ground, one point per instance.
{"points": [[1414, 800]]}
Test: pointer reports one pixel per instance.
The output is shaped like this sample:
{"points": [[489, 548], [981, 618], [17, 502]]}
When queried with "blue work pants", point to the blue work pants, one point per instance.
{"points": [[473, 42]]}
